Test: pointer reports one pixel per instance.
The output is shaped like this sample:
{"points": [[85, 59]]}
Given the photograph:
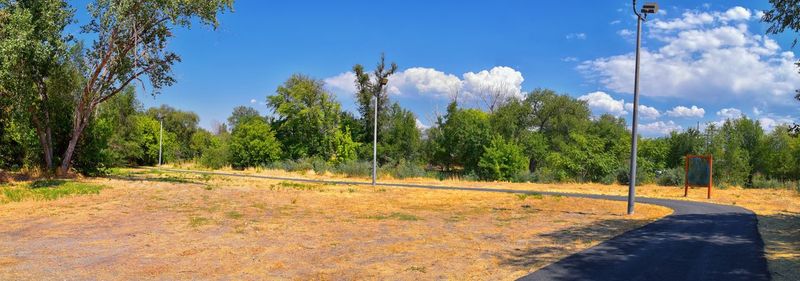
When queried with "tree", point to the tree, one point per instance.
{"points": [[369, 87], [33, 48], [307, 118], [182, 123], [253, 144], [130, 43], [464, 134], [242, 114], [502, 160], [401, 139]]}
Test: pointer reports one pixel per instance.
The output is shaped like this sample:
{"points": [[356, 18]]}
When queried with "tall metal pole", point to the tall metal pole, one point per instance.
{"points": [[375, 143], [634, 131], [160, 139]]}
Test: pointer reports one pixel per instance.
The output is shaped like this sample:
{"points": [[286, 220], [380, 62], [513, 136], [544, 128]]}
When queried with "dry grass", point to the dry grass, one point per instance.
{"points": [[778, 210], [179, 226]]}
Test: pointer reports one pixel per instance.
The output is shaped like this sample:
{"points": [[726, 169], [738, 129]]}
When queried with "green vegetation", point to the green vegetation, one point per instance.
{"points": [[72, 102], [395, 216], [47, 190]]}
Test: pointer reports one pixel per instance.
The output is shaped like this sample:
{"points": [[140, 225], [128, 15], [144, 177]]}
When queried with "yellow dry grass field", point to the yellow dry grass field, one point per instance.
{"points": [[778, 210], [171, 226]]}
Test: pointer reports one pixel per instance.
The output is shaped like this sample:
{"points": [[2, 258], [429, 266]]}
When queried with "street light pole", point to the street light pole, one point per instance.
{"points": [[648, 8], [160, 139], [383, 82]]}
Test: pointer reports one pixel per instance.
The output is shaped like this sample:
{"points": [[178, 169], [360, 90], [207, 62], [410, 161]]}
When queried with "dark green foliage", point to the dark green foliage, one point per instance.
{"points": [[181, 123], [401, 138], [460, 142], [253, 144], [242, 114], [502, 160]]}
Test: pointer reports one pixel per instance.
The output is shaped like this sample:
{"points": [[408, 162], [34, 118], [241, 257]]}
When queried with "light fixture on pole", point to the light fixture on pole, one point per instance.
{"points": [[648, 8], [383, 83]]}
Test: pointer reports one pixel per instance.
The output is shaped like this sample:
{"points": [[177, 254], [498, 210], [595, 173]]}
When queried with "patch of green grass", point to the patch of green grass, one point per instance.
{"points": [[234, 215], [420, 269], [47, 190], [198, 221], [299, 186], [395, 216], [523, 196]]}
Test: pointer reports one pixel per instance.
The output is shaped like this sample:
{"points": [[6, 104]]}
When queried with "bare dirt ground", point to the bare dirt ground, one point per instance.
{"points": [[778, 210], [173, 226]]}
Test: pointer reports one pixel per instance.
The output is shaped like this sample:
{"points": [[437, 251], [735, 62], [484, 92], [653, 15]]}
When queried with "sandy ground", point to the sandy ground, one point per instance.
{"points": [[190, 227], [778, 210]]}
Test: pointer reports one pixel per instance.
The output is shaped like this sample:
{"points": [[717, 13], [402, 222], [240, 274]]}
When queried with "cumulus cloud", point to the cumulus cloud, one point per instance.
{"points": [[703, 55], [646, 112], [659, 128], [421, 81], [686, 112], [421, 126], [770, 122], [602, 102], [729, 113], [253, 101], [626, 33]]}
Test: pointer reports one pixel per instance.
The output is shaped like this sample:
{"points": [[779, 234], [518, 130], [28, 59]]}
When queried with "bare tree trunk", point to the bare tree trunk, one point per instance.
{"points": [[78, 124], [43, 128]]}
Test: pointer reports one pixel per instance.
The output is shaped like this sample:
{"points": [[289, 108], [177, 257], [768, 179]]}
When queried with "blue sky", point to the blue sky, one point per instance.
{"points": [[703, 61]]}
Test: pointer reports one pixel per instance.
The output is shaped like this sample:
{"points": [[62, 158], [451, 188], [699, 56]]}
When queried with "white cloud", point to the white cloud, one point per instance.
{"points": [[253, 101], [626, 33], [602, 102], [704, 55], [579, 36], [342, 83], [615, 22], [729, 113], [769, 123], [569, 59], [499, 78], [422, 81], [422, 126], [686, 112], [659, 128], [645, 112]]}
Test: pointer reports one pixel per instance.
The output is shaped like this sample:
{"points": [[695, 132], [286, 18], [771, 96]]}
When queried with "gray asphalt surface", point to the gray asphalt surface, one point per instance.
{"points": [[699, 241]]}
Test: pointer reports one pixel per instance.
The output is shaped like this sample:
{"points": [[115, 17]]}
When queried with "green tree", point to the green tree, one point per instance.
{"points": [[401, 139], [242, 114], [182, 123], [33, 49], [253, 144], [501, 160], [464, 134], [130, 43], [369, 87], [307, 118]]}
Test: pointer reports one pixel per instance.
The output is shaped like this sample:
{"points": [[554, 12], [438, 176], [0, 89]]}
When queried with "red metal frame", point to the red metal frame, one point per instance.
{"points": [[710, 160]]}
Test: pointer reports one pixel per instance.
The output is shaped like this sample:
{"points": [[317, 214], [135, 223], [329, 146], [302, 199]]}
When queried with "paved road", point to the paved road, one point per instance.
{"points": [[699, 241]]}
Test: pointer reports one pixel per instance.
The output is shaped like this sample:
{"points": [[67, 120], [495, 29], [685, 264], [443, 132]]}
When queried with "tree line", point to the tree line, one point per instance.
{"points": [[63, 102]]}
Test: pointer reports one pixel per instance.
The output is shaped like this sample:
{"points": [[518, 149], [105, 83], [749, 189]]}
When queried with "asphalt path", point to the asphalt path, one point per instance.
{"points": [[698, 241]]}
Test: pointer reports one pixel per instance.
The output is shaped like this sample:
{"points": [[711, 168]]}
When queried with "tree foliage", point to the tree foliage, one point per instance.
{"points": [[253, 144]]}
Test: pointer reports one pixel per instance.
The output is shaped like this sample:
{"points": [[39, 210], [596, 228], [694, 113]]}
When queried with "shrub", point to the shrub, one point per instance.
{"points": [[253, 144], [502, 160], [355, 168], [405, 169], [671, 177]]}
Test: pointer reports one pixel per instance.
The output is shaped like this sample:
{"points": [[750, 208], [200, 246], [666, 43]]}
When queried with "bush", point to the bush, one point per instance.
{"points": [[502, 160], [355, 168], [406, 169], [760, 181], [253, 144], [671, 177]]}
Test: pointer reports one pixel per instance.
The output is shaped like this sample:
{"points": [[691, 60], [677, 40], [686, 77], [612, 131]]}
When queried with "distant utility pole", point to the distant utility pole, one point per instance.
{"points": [[160, 138], [648, 8], [383, 83]]}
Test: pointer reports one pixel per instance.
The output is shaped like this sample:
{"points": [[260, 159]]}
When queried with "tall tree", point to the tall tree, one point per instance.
{"points": [[307, 117], [32, 49], [130, 44], [242, 114], [370, 86], [182, 123]]}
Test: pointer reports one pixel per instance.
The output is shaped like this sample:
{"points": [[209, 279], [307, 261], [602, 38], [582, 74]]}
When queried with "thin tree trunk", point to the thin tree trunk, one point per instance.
{"points": [[77, 130], [44, 141]]}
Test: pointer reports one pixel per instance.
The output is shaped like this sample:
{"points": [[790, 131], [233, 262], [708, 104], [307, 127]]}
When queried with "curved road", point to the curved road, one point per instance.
{"points": [[698, 241]]}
